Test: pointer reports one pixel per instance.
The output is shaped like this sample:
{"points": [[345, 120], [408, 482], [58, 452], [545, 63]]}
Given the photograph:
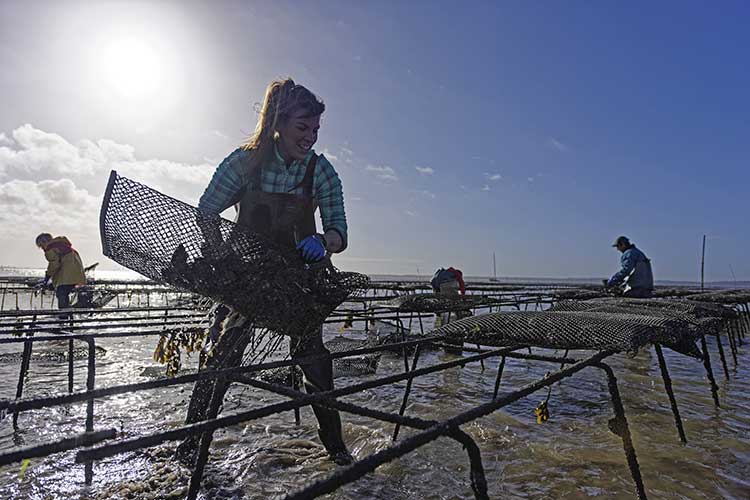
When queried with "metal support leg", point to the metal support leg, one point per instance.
{"points": [[295, 386], [732, 344], [216, 399], [70, 366], [738, 330], [562, 365], [407, 391], [709, 371], [619, 426], [721, 355], [499, 376], [481, 361], [746, 317], [90, 383], [25, 361], [364, 313], [670, 393]]}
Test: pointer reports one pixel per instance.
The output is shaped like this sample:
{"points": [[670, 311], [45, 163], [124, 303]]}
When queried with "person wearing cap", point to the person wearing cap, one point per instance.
{"points": [[635, 273]]}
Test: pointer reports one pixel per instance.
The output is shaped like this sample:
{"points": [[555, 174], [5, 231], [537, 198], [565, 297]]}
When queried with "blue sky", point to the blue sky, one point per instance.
{"points": [[537, 130]]}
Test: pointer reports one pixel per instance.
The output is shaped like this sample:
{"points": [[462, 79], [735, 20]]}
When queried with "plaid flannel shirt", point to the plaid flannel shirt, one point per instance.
{"points": [[231, 176]]}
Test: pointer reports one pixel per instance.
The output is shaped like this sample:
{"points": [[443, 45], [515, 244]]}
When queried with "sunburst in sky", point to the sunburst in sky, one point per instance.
{"points": [[535, 131], [133, 68]]}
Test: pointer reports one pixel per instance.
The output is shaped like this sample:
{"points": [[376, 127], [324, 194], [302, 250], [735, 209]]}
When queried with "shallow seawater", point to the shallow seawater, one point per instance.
{"points": [[573, 455]]}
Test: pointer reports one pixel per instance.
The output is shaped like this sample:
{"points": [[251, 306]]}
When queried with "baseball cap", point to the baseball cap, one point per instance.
{"points": [[621, 240]]}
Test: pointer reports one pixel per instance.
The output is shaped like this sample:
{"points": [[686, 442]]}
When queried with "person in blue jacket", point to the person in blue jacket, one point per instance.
{"points": [[635, 274]]}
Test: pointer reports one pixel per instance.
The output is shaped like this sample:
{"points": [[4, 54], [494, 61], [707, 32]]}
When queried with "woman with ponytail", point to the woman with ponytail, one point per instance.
{"points": [[274, 160], [277, 172]]}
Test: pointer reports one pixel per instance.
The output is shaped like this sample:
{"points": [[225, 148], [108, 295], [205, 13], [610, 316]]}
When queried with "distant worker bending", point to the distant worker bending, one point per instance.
{"points": [[635, 276], [64, 268]]}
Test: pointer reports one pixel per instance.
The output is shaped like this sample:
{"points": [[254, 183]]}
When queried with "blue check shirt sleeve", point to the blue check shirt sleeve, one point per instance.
{"points": [[627, 261], [225, 184], [330, 198]]}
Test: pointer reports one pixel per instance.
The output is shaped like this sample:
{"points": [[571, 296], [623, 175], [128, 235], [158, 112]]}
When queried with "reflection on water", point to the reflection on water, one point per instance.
{"points": [[572, 456]]}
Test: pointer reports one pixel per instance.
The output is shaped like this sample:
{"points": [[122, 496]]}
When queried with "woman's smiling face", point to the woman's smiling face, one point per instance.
{"points": [[297, 135]]}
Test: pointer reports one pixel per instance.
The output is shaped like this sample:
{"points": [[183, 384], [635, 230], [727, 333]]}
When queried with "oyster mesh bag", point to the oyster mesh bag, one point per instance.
{"points": [[172, 242], [594, 325]]}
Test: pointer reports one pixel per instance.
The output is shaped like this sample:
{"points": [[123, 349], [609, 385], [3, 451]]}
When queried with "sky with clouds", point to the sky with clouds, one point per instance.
{"points": [[536, 130]]}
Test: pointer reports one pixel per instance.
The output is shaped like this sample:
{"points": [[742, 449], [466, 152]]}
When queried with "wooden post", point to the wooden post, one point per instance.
{"points": [[703, 261]]}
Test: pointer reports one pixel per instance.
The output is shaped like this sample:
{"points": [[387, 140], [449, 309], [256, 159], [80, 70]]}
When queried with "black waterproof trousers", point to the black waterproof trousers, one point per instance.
{"points": [[228, 353]]}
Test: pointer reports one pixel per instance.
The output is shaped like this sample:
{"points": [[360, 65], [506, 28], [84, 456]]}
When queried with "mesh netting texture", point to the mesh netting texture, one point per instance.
{"points": [[360, 364], [579, 294], [686, 310], [620, 324], [723, 297], [430, 302], [172, 242]]}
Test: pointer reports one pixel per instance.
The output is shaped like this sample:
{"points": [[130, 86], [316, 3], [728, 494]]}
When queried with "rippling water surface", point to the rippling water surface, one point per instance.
{"points": [[572, 456]]}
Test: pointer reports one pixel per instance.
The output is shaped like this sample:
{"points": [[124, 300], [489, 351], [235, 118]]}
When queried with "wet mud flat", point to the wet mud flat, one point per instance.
{"points": [[572, 455]]}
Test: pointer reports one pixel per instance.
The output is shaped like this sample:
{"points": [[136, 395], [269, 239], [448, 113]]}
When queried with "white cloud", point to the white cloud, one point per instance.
{"points": [[30, 207], [530, 179], [410, 213], [486, 187], [379, 169], [346, 154], [328, 154], [388, 177], [428, 194], [50, 184], [425, 170], [382, 172], [32, 150], [557, 144], [34, 154], [493, 177]]}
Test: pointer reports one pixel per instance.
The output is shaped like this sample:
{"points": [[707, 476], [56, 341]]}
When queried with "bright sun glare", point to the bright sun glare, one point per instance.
{"points": [[132, 68]]}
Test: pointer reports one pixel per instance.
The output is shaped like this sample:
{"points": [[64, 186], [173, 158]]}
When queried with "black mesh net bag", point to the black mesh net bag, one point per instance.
{"points": [[172, 242], [723, 297], [574, 330], [430, 302], [683, 309], [579, 294]]}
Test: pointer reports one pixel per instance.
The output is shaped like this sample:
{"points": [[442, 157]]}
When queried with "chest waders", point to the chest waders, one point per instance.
{"points": [[287, 219]]}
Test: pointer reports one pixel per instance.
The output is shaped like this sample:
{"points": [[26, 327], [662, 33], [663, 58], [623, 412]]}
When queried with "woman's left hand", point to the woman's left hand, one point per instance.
{"points": [[312, 248]]}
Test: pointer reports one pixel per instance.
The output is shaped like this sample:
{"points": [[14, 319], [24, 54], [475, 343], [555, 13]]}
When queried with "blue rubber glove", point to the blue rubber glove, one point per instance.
{"points": [[312, 248]]}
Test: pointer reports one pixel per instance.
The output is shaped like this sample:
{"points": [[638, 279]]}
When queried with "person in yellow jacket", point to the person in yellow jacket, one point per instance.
{"points": [[64, 268]]}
